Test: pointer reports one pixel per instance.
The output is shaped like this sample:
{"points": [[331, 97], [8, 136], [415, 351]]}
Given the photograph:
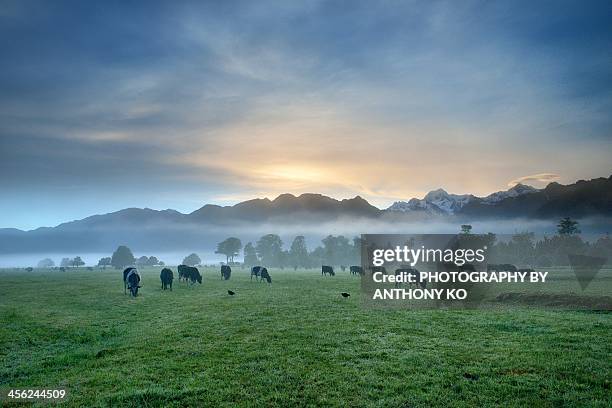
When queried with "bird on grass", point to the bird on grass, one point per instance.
{"points": [[231, 293], [345, 295]]}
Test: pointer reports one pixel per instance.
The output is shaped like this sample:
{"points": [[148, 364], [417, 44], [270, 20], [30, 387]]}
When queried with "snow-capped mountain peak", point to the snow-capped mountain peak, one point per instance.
{"points": [[435, 202], [515, 191], [441, 202]]}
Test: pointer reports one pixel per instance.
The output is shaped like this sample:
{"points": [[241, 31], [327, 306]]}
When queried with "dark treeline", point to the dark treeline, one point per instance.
{"points": [[521, 249], [269, 250]]}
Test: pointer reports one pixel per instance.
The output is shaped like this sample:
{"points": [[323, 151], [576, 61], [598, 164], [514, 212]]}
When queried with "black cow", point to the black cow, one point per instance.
{"points": [[131, 281], [256, 270], [226, 272], [166, 277], [263, 272], [356, 270], [182, 272], [325, 269], [411, 272], [378, 269], [189, 273]]}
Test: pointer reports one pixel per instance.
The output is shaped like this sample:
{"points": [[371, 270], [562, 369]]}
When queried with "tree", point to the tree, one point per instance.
{"points": [[230, 248], [567, 226], [122, 257], [104, 262], [269, 248], [77, 261], [317, 257], [142, 261], [250, 255], [298, 254], [153, 261], [65, 262], [46, 263], [192, 260], [466, 229], [337, 250]]}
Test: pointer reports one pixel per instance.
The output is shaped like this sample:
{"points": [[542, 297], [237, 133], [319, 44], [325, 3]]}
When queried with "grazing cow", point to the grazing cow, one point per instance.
{"points": [[382, 269], [256, 270], [226, 272], [182, 272], [356, 270], [411, 272], [265, 275], [190, 274], [166, 277], [131, 281], [325, 269]]}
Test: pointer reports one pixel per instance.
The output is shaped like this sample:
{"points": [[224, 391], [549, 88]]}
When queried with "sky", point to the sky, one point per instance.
{"points": [[108, 105]]}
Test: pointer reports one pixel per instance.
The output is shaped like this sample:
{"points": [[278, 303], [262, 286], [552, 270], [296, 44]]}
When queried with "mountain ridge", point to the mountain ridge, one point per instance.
{"points": [[148, 228]]}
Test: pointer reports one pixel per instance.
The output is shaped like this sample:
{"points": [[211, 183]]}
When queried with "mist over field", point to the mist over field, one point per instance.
{"points": [[173, 241]]}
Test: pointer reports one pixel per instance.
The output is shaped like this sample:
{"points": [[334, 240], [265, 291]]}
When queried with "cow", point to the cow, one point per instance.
{"points": [[356, 270], [182, 272], [166, 277], [411, 272], [265, 275], [256, 270], [378, 269], [131, 281], [190, 274], [226, 272], [326, 269]]}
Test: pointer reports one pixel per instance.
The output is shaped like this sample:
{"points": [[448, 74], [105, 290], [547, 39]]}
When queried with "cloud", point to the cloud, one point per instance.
{"points": [[541, 177], [233, 99]]}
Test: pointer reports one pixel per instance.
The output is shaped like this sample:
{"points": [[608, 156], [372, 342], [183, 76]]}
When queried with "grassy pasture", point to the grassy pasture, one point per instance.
{"points": [[295, 343]]}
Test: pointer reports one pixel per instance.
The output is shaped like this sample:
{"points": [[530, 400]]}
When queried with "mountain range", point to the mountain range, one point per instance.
{"points": [[440, 202], [168, 229]]}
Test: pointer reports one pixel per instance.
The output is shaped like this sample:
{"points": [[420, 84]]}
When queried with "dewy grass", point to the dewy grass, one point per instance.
{"points": [[294, 343]]}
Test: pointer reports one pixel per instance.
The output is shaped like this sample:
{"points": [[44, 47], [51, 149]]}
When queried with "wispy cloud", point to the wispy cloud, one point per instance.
{"points": [[541, 178]]}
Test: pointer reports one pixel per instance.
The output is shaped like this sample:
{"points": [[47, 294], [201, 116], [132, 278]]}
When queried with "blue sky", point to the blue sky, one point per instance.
{"points": [[106, 105]]}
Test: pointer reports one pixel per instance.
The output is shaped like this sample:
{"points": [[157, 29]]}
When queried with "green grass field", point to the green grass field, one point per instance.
{"points": [[294, 343]]}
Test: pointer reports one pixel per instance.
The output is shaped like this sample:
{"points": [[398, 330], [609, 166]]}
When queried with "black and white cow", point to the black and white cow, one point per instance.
{"points": [[131, 281], [256, 271], [326, 269], [226, 272], [166, 277]]}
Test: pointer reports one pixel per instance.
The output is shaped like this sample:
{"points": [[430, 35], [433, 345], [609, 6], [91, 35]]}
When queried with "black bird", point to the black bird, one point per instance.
{"points": [[231, 293], [345, 295]]}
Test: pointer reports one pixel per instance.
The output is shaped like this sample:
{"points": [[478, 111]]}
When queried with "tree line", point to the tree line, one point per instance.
{"points": [[270, 250]]}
